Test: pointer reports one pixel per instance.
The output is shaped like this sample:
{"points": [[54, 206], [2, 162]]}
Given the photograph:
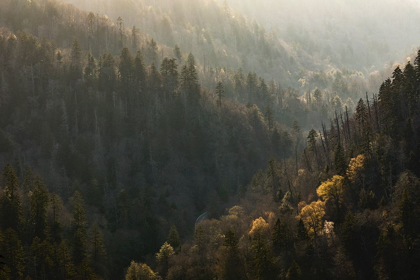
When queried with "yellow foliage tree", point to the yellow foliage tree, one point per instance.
{"points": [[259, 225], [312, 215], [355, 168], [331, 191], [140, 271]]}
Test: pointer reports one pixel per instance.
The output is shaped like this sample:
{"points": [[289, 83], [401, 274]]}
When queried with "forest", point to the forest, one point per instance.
{"points": [[122, 122]]}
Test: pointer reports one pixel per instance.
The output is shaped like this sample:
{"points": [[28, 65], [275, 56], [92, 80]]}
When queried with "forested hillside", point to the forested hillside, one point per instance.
{"points": [[120, 124], [347, 208]]}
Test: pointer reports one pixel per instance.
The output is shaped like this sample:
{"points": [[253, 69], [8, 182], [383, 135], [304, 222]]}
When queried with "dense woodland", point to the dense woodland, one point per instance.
{"points": [[113, 144]]}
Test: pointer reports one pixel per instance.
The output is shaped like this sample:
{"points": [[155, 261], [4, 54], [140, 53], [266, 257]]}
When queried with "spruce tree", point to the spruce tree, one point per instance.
{"points": [[263, 265], [231, 265], [39, 203], [220, 92], [11, 213], [79, 229], [12, 250], [294, 272], [173, 238]]}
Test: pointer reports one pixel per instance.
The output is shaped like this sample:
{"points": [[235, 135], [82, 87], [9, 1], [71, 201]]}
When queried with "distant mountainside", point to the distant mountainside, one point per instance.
{"points": [[217, 35], [360, 35]]}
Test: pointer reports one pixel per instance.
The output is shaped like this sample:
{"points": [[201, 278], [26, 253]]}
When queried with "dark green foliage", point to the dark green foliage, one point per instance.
{"points": [[348, 234], [340, 160], [294, 272], [79, 230], [281, 237], [39, 202], [302, 233], [12, 250], [10, 203], [263, 263], [173, 238], [231, 266]]}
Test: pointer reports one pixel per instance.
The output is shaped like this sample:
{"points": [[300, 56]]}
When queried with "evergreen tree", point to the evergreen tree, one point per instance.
{"points": [[90, 71], [39, 202], [139, 72], [280, 237], [126, 70], [11, 213], [134, 39], [169, 72], [11, 248], [177, 53], [79, 229], [63, 265], [220, 92], [294, 272], [189, 81], [302, 233], [348, 234], [407, 213], [162, 257], [55, 225], [340, 161], [173, 238], [269, 117], [231, 265], [75, 61], [152, 52], [97, 250], [199, 238], [263, 266], [410, 99], [41, 256]]}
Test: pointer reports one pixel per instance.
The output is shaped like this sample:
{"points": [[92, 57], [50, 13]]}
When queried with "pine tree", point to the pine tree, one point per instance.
{"points": [[162, 257], [11, 248], [348, 234], [231, 265], [410, 99], [39, 203], [387, 118], [189, 81], [199, 238], [417, 70], [126, 70], [407, 213], [365, 131], [97, 247], [90, 71], [11, 213], [63, 266], [75, 61], [302, 233], [294, 272], [134, 39], [263, 266], [79, 229], [106, 72], [139, 72], [152, 52], [269, 117], [42, 258], [220, 92], [97, 252], [169, 72], [173, 238], [55, 226], [280, 237], [340, 161], [177, 53]]}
